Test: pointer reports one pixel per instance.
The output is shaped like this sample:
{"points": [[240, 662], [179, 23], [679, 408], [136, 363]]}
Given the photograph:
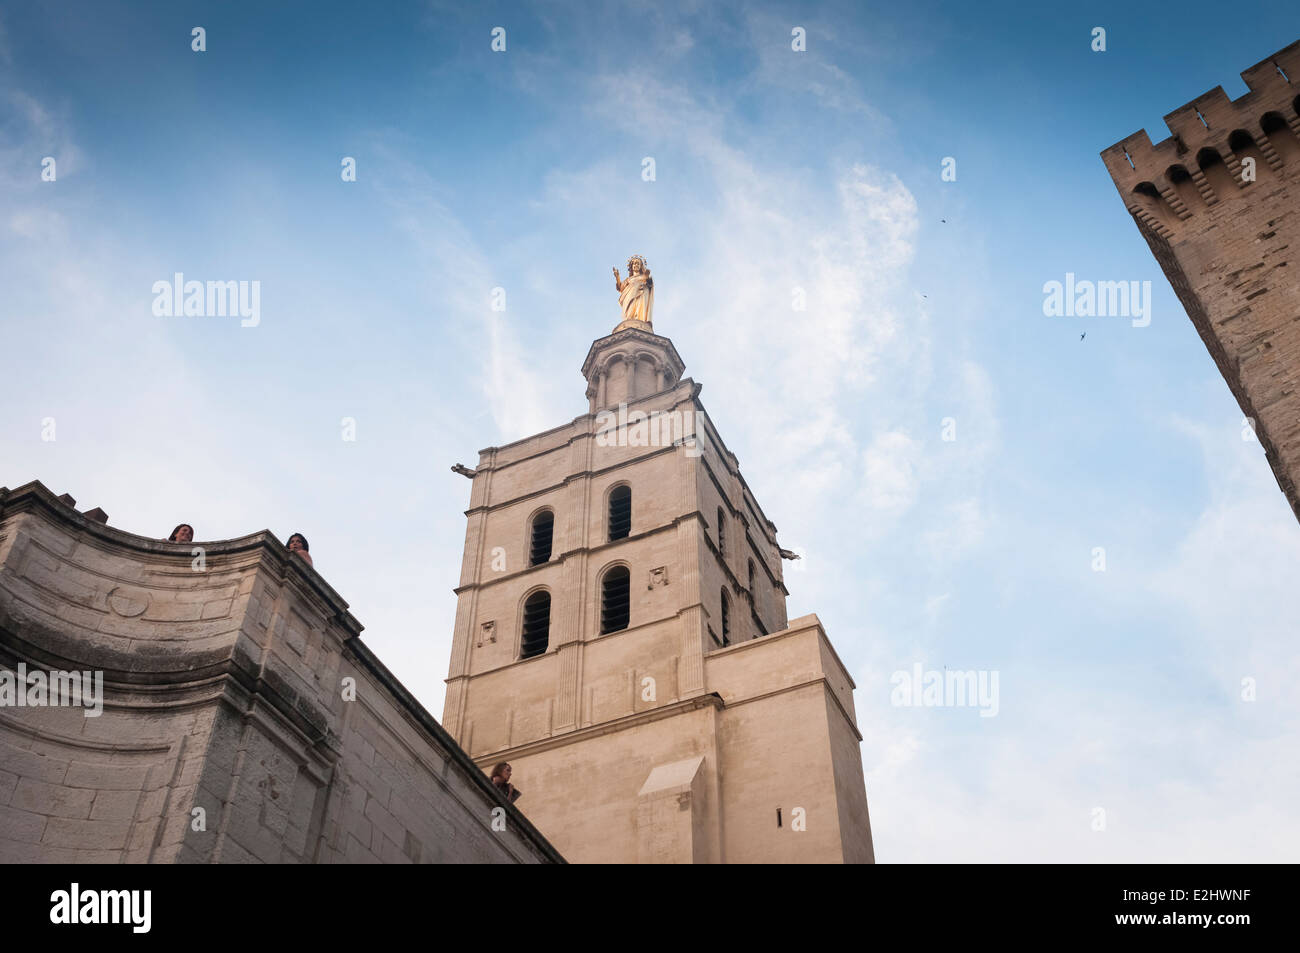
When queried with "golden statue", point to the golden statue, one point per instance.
{"points": [[636, 296]]}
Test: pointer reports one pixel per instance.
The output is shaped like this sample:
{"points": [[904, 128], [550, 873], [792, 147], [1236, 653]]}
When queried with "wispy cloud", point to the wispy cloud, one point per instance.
{"points": [[890, 408], [459, 281]]}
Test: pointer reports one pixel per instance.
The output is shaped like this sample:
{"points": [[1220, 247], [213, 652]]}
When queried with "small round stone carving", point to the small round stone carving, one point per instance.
{"points": [[128, 603]]}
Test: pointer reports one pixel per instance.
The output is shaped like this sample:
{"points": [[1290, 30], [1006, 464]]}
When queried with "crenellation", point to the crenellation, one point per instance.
{"points": [[1205, 118], [1202, 134], [1270, 76]]}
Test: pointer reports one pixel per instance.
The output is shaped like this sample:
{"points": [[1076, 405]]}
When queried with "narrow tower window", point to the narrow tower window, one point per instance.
{"points": [[620, 513], [751, 577], [537, 624], [543, 531], [726, 618], [614, 597], [722, 532]]}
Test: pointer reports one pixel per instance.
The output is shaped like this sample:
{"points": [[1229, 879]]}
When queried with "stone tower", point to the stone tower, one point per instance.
{"points": [[621, 639], [1216, 201]]}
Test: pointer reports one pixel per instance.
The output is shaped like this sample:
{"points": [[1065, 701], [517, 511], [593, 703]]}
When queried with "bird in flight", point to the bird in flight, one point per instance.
{"points": [[1083, 335]]}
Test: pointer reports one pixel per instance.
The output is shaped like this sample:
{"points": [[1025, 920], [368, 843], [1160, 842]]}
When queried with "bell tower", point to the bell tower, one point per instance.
{"points": [[621, 639]]}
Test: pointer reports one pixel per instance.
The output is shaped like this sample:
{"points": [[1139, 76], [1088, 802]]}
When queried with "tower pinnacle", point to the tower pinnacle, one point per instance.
{"points": [[628, 364]]}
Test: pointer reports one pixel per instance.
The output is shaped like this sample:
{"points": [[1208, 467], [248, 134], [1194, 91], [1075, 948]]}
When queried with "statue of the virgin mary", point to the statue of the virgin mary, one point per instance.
{"points": [[636, 295]]}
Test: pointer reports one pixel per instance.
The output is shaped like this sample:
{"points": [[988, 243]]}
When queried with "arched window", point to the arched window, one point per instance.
{"points": [[539, 550], [620, 512], [722, 532], [537, 624], [1241, 141], [1148, 198], [1244, 146], [615, 593], [1280, 135], [1216, 173], [726, 618], [1183, 186]]}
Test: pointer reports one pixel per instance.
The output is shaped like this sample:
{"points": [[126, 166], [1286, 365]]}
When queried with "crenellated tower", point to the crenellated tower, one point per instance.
{"points": [[1217, 203]]}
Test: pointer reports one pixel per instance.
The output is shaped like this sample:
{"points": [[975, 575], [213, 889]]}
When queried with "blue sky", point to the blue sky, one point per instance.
{"points": [[819, 170]]}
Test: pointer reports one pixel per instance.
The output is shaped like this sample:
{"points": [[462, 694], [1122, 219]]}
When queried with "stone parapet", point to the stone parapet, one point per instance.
{"points": [[241, 718]]}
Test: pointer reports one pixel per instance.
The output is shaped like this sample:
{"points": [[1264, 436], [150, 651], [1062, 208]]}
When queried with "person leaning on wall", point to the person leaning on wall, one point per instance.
{"points": [[501, 781], [298, 544]]}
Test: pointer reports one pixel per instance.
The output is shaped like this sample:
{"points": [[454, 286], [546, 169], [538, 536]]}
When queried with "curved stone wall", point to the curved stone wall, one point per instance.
{"points": [[240, 719]]}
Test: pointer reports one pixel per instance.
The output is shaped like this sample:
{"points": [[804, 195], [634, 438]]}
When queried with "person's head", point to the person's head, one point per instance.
{"points": [[298, 542], [502, 771], [635, 265], [182, 534]]}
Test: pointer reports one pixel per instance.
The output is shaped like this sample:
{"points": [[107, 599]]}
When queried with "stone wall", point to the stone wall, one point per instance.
{"points": [[242, 719], [700, 779]]}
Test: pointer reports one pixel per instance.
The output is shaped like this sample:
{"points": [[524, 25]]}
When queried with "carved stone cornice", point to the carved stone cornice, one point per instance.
{"points": [[631, 341]]}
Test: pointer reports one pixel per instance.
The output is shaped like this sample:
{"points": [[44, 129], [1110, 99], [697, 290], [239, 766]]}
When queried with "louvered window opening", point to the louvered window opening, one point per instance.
{"points": [[543, 529], [722, 533], [615, 596], [726, 619], [620, 513], [537, 625]]}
